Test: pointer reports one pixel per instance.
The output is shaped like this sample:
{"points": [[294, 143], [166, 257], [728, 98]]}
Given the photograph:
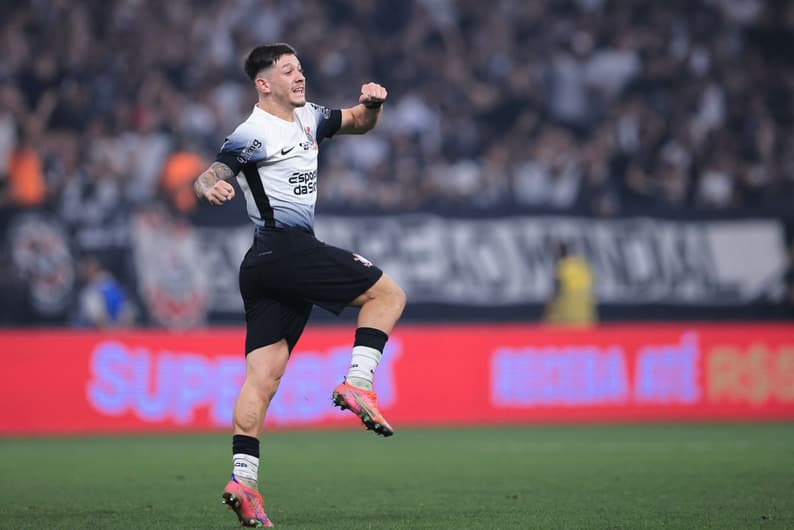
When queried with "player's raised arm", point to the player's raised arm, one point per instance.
{"points": [[212, 186], [364, 116]]}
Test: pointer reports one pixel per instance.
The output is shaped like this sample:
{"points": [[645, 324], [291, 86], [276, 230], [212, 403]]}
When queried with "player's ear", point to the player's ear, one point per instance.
{"points": [[262, 85]]}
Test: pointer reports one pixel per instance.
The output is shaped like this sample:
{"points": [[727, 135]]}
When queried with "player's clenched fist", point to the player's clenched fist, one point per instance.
{"points": [[219, 193], [372, 95]]}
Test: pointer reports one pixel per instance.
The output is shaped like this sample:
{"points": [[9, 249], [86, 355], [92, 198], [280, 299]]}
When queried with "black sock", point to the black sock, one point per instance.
{"points": [[246, 445], [371, 337]]}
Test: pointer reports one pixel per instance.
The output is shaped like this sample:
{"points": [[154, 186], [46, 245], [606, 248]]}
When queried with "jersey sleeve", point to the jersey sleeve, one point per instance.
{"points": [[328, 121], [240, 148]]}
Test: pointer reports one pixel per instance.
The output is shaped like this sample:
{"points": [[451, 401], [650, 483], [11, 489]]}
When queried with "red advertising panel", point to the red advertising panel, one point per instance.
{"points": [[89, 382]]}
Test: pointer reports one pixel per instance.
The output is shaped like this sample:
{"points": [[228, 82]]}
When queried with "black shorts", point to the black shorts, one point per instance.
{"points": [[285, 273]]}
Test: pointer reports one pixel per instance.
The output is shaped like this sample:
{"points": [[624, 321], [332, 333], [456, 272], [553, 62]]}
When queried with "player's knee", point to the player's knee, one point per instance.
{"points": [[265, 367], [265, 380], [392, 294], [398, 298], [386, 294], [394, 298], [266, 384]]}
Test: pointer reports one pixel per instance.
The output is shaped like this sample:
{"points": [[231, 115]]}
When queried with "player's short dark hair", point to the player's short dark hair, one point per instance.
{"points": [[264, 56]]}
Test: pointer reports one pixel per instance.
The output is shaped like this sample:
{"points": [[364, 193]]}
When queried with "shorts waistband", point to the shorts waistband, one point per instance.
{"points": [[264, 230]]}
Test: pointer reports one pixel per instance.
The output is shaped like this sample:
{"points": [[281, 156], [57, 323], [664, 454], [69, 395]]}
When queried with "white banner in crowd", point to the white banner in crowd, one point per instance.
{"points": [[496, 262], [509, 261]]}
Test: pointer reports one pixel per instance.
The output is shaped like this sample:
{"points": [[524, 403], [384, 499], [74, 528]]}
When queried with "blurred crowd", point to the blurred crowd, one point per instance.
{"points": [[600, 107]]}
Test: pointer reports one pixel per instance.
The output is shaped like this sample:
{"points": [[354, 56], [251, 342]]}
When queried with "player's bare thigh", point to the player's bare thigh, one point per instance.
{"points": [[266, 365], [381, 305], [384, 288]]}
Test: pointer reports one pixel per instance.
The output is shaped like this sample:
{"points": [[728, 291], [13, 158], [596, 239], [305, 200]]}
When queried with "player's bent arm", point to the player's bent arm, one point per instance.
{"points": [[359, 119], [212, 186], [364, 116]]}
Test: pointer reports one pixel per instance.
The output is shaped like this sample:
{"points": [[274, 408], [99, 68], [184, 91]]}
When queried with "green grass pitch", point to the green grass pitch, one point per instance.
{"points": [[589, 477]]}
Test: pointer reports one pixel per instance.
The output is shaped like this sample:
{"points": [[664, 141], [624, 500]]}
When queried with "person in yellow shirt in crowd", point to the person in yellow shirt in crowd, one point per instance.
{"points": [[573, 301]]}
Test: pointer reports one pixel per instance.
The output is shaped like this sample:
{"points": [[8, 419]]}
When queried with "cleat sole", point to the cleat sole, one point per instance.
{"points": [[365, 417], [233, 503]]}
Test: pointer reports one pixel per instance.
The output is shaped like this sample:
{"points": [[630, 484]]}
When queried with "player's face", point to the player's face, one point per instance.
{"points": [[287, 81]]}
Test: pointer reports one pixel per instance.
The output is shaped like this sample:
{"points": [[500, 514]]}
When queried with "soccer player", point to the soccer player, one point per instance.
{"points": [[287, 270]]}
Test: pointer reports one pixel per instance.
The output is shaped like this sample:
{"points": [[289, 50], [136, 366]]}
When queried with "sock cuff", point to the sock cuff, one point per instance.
{"points": [[246, 445], [371, 337]]}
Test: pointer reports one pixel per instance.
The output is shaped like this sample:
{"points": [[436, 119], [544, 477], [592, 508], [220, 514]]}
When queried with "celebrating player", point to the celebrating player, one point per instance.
{"points": [[287, 270]]}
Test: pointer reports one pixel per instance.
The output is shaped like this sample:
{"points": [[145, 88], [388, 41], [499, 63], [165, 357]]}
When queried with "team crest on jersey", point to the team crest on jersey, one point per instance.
{"points": [[361, 259], [309, 143]]}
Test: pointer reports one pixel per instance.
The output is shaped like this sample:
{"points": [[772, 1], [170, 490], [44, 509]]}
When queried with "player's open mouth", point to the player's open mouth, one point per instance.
{"points": [[300, 91]]}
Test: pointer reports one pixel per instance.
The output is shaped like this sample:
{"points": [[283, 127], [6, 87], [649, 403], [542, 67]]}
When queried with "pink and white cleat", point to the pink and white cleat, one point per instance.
{"points": [[364, 404], [246, 503]]}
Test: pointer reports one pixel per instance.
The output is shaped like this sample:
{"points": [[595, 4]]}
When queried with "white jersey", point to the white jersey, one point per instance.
{"points": [[276, 163]]}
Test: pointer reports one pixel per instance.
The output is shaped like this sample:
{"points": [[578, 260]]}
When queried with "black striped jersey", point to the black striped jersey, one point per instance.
{"points": [[276, 163]]}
